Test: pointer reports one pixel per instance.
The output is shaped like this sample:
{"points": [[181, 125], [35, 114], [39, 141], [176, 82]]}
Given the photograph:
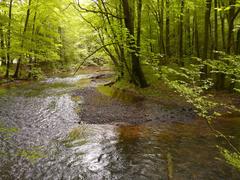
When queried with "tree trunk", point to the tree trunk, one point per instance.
{"points": [[168, 51], [215, 25], [230, 25], [137, 74], [32, 39], [2, 44], [206, 37], [22, 43], [196, 35], [162, 26], [181, 63], [9, 38], [238, 43], [188, 33], [222, 17]]}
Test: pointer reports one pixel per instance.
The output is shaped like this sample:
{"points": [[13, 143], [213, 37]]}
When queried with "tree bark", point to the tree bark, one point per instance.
{"points": [[137, 73], [206, 37]]}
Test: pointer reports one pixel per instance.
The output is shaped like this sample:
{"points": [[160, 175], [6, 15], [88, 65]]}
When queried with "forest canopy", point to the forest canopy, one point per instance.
{"points": [[37, 36]]}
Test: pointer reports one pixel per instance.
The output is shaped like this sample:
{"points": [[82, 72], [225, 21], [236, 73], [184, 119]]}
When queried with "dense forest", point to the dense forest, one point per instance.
{"points": [[192, 46], [36, 35]]}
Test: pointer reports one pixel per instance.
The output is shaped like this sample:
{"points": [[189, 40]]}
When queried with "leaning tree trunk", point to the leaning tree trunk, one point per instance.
{"points": [[137, 73], [32, 41], [22, 43]]}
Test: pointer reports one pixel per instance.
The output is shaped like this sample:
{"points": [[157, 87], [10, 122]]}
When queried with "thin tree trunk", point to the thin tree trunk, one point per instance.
{"points": [[222, 17], [150, 32], [188, 33], [22, 43], [2, 38], [162, 26], [230, 25], [215, 25], [238, 43], [196, 36], [181, 63], [9, 38], [206, 37], [2, 44], [230, 44], [168, 50], [30, 57]]}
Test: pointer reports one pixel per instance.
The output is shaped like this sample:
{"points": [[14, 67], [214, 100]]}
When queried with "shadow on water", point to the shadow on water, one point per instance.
{"points": [[47, 120]]}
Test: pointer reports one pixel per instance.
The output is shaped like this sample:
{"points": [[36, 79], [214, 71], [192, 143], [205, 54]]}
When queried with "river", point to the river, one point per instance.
{"points": [[50, 143]]}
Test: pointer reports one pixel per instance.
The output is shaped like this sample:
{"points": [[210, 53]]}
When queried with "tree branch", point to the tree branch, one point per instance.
{"points": [[98, 12], [94, 52], [236, 13]]}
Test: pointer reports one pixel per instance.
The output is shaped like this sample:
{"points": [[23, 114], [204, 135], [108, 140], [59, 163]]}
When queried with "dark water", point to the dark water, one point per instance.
{"points": [[50, 144]]}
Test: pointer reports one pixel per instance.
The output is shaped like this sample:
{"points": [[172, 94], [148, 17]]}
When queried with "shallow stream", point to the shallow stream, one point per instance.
{"points": [[49, 142]]}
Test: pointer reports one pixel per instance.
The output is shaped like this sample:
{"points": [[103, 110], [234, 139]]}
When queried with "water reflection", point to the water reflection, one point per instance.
{"points": [[86, 151]]}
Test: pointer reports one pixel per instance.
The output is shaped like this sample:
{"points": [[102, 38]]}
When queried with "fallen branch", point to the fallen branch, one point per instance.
{"points": [[94, 52]]}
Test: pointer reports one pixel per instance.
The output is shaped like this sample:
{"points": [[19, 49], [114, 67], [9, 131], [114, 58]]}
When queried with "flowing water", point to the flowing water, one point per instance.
{"points": [[49, 142]]}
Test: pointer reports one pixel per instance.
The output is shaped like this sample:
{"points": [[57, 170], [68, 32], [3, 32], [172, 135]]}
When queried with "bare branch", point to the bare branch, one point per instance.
{"points": [[97, 11], [94, 52]]}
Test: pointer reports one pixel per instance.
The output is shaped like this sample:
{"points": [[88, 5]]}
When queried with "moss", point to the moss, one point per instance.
{"points": [[2, 91], [74, 135], [31, 155], [83, 83], [7, 130], [106, 90]]}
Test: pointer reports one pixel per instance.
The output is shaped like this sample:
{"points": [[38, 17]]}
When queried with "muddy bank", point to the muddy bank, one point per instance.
{"points": [[97, 108]]}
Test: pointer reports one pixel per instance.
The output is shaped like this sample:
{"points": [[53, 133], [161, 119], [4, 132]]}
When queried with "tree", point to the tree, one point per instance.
{"points": [[206, 36], [9, 38], [23, 36], [181, 63], [128, 9]]}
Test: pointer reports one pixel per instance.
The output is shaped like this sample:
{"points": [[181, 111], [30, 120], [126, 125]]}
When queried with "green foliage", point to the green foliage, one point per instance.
{"points": [[231, 158], [36, 73], [189, 85]]}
